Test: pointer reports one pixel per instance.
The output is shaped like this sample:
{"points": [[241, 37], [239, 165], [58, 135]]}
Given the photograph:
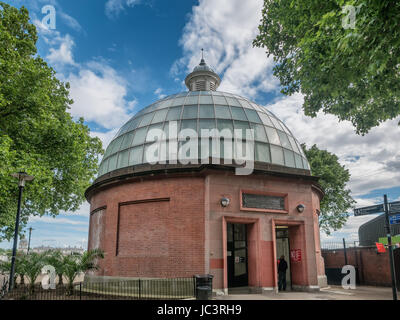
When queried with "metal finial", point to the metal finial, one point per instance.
{"points": [[202, 62]]}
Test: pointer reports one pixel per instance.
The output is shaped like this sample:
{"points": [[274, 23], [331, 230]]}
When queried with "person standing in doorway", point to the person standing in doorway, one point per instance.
{"points": [[282, 267]]}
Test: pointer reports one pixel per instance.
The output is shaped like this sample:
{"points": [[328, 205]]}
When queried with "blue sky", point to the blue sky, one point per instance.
{"points": [[122, 55]]}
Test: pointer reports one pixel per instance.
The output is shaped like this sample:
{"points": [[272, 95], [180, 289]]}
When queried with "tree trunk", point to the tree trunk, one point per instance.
{"points": [[60, 279], [70, 288]]}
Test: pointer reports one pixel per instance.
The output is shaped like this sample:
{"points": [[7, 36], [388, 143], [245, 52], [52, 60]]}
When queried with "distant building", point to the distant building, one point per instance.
{"points": [[65, 251], [371, 231], [23, 245]]}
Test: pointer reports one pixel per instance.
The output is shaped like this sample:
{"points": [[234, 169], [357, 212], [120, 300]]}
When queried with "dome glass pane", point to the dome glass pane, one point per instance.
{"points": [[252, 115], [140, 136], [222, 112], [206, 111], [189, 112], [277, 155], [262, 152], [238, 113], [219, 100], [146, 119], [225, 125], [160, 115], [174, 113], [289, 158], [192, 100], [284, 140], [135, 156], [205, 100], [272, 135], [127, 141], [178, 102], [233, 102], [189, 124], [259, 132]]}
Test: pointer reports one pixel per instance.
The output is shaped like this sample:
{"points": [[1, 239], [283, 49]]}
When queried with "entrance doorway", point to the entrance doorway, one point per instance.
{"points": [[237, 255], [283, 248]]}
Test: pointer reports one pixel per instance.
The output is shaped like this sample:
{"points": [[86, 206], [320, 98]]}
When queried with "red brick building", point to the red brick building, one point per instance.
{"points": [[169, 202]]}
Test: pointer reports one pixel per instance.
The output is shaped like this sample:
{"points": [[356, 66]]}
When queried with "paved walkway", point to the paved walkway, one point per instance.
{"points": [[329, 293]]}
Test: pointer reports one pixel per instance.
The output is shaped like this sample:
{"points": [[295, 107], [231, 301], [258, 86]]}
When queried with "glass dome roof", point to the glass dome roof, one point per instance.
{"points": [[273, 141]]}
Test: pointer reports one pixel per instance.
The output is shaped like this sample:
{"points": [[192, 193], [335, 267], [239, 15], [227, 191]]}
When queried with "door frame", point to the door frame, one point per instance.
{"points": [[231, 267], [288, 223], [256, 267], [288, 257]]}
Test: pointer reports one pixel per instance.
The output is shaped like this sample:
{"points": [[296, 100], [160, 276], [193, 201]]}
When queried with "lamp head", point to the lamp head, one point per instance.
{"points": [[22, 177], [300, 208], [225, 202]]}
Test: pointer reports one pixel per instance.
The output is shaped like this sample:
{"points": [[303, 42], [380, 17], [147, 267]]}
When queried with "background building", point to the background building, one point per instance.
{"points": [[371, 231], [173, 219]]}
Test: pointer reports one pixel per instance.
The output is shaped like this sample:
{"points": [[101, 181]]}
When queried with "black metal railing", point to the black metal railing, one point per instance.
{"points": [[138, 289]]}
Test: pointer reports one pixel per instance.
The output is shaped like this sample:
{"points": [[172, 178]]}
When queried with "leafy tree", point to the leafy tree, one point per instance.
{"points": [[353, 73], [31, 265], [5, 251], [37, 133], [333, 179], [78, 263]]}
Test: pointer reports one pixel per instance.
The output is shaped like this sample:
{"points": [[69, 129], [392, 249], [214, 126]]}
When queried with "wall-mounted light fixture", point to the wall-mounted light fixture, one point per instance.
{"points": [[224, 202], [300, 208]]}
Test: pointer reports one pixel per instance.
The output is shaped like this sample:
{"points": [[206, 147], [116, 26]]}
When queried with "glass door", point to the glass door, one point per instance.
{"points": [[237, 255]]}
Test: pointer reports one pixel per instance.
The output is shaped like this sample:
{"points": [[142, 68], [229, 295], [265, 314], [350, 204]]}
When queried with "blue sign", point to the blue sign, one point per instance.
{"points": [[394, 219]]}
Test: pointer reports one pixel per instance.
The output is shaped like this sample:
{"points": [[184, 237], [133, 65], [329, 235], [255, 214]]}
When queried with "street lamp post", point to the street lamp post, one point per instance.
{"points": [[29, 241], [22, 177]]}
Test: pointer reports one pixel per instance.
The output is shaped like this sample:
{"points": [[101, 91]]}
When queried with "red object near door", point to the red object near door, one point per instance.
{"points": [[295, 255]]}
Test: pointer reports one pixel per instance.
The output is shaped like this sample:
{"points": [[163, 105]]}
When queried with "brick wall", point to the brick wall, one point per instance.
{"points": [[374, 268], [146, 237], [173, 226]]}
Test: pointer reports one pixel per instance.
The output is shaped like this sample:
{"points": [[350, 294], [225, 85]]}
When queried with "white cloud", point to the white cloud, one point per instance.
{"points": [[56, 220], [70, 21], [99, 95], [98, 91], [159, 94], [83, 211], [63, 55], [114, 7], [226, 29]]}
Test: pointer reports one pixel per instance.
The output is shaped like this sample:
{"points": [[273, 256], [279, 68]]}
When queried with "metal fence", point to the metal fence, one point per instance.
{"points": [[336, 245], [138, 289]]}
